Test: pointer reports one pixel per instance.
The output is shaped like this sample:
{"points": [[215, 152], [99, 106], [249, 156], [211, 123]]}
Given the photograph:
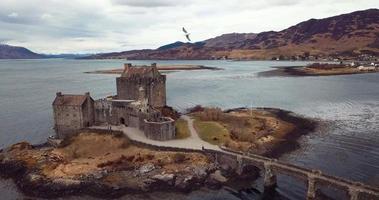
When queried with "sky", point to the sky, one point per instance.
{"points": [[94, 26]]}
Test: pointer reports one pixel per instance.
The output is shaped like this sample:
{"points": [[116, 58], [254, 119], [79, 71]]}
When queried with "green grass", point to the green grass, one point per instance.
{"points": [[182, 130], [211, 131]]}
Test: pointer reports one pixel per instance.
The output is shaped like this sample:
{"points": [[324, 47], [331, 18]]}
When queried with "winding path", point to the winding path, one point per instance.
{"points": [[271, 167], [191, 142]]}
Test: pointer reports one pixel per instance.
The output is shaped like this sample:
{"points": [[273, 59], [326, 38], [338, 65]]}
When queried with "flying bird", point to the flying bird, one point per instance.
{"points": [[186, 34]]}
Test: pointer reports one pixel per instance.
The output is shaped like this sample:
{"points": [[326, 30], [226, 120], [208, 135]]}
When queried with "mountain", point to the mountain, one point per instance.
{"points": [[13, 52], [343, 36]]}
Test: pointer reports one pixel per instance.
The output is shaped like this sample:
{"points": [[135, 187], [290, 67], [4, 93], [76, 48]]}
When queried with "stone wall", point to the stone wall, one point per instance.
{"points": [[164, 129], [102, 111], [154, 89], [88, 112], [157, 93], [67, 119]]}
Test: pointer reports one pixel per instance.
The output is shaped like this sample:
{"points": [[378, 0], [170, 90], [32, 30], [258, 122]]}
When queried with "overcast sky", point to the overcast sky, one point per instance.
{"points": [[78, 26]]}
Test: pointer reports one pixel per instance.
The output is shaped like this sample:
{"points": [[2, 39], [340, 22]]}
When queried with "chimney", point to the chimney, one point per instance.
{"points": [[154, 64], [87, 94], [59, 94]]}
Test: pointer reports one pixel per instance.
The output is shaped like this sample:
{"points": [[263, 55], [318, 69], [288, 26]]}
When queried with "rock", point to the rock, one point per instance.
{"points": [[98, 174], [215, 180], [217, 176], [184, 183], [34, 177], [200, 171], [212, 167], [20, 146], [66, 182], [166, 178], [146, 168]]}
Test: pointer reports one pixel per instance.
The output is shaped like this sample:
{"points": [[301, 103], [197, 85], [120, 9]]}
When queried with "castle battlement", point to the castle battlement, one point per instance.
{"points": [[148, 78]]}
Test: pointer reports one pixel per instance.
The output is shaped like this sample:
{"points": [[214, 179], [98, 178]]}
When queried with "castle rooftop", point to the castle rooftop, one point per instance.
{"points": [[70, 99], [141, 71]]}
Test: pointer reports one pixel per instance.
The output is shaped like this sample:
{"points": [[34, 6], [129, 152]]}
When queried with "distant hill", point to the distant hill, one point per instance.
{"points": [[347, 36], [13, 52]]}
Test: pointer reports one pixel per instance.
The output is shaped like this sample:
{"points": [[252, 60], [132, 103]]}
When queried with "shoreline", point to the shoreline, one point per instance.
{"points": [[298, 71], [27, 164], [31, 180], [302, 126], [163, 68]]}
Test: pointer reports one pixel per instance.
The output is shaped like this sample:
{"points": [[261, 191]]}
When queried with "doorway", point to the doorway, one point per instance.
{"points": [[122, 121]]}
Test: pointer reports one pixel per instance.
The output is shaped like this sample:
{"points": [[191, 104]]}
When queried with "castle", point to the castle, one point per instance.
{"points": [[141, 93]]}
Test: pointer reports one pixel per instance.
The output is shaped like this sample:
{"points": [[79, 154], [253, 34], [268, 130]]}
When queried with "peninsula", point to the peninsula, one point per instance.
{"points": [[321, 69]]}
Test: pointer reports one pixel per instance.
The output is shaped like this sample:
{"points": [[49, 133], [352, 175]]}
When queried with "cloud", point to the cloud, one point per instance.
{"points": [[116, 25], [148, 3], [13, 15]]}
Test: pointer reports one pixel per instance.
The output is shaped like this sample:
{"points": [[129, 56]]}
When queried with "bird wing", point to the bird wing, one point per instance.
{"points": [[184, 30], [188, 38]]}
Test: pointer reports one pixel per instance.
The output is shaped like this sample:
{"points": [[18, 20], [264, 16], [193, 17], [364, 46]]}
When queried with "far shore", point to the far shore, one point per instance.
{"points": [[163, 68], [314, 71]]}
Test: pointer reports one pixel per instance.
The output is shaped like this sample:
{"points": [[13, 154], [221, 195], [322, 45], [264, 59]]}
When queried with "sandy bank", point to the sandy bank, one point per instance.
{"points": [[163, 68]]}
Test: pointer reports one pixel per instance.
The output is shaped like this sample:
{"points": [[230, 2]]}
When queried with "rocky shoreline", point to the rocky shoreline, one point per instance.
{"points": [[301, 126], [293, 71], [31, 169], [109, 165]]}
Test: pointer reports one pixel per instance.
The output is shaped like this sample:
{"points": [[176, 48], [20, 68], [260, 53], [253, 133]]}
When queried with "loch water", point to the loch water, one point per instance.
{"points": [[346, 145]]}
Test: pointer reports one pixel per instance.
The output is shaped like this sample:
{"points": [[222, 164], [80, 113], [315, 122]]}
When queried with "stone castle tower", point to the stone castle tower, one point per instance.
{"points": [[142, 82]]}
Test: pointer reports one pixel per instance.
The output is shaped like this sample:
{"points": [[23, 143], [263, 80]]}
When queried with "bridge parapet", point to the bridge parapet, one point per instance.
{"points": [[273, 167], [269, 177]]}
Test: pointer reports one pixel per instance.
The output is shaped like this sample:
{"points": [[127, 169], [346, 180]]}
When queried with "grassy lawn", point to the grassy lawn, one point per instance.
{"points": [[212, 132], [182, 130]]}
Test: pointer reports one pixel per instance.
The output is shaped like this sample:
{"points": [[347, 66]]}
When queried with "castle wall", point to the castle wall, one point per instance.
{"points": [[88, 113], [160, 130], [102, 111], [157, 93], [127, 89], [155, 89], [67, 119]]}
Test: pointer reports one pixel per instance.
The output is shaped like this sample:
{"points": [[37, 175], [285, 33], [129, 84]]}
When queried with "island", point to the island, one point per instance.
{"points": [[321, 69], [107, 164], [162, 68], [133, 143]]}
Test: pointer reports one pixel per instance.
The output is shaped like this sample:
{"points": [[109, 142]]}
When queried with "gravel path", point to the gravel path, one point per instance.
{"points": [[192, 142]]}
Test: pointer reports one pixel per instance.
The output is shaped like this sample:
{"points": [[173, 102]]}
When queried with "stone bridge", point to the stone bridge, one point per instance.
{"points": [[312, 178]]}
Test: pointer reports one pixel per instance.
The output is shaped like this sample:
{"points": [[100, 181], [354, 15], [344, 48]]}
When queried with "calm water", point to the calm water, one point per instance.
{"points": [[347, 145]]}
